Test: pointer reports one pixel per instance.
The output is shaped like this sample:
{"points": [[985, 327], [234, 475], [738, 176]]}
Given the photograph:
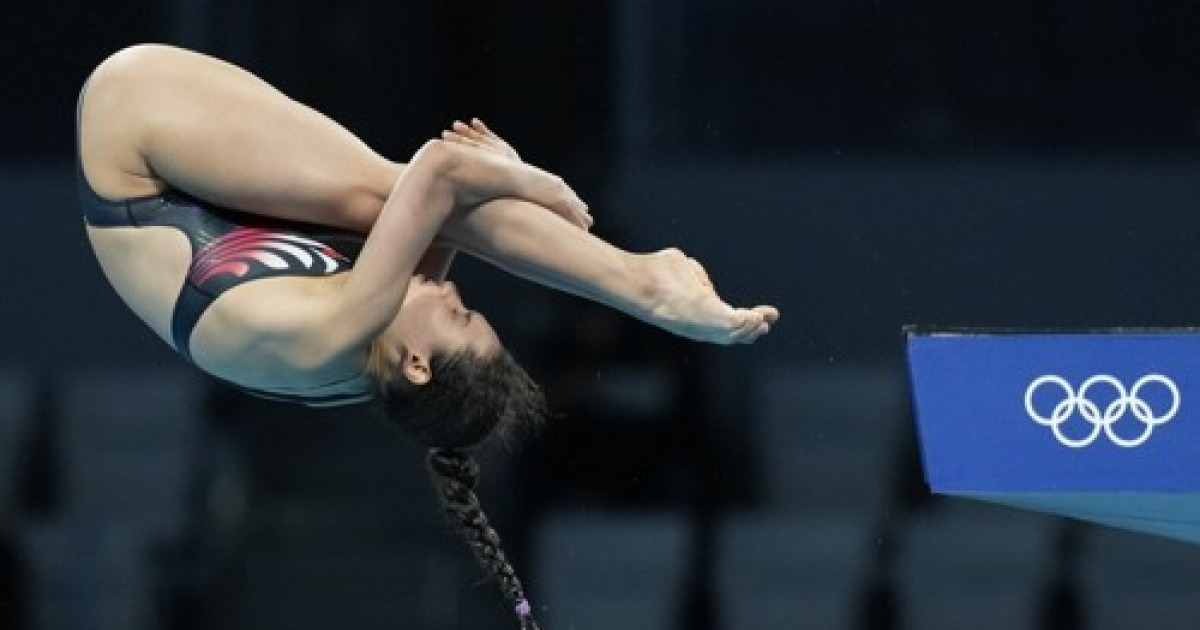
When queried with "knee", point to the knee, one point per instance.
{"points": [[133, 60], [358, 207], [358, 199]]}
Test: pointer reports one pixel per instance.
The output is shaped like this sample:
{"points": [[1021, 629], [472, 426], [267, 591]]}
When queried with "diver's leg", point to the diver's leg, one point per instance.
{"points": [[666, 288], [156, 116]]}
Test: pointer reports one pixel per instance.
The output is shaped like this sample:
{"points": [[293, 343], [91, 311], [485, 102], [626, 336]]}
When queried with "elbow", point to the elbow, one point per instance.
{"points": [[439, 157], [436, 177]]}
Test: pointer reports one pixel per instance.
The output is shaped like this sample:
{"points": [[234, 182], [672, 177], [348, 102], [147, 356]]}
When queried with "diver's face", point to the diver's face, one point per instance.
{"points": [[434, 320]]}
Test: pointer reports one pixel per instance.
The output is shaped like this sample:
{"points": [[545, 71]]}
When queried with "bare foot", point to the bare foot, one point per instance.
{"points": [[479, 136], [685, 303]]}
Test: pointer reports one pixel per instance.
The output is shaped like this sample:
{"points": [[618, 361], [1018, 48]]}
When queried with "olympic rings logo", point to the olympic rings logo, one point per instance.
{"points": [[1124, 401]]}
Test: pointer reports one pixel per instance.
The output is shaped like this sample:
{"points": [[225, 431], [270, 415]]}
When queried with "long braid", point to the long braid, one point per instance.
{"points": [[454, 474]]}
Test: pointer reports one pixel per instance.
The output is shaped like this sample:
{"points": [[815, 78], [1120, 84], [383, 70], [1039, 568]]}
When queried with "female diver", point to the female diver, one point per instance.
{"points": [[208, 196]]}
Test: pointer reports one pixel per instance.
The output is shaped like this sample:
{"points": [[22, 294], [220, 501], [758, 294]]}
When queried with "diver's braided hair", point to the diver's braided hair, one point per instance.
{"points": [[469, 400], [454, 473]]}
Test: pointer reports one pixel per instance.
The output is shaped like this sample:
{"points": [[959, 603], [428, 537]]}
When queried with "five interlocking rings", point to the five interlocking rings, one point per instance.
{"points": [[1124, 401]]}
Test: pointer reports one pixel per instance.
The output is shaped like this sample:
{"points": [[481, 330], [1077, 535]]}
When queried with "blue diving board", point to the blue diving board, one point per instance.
{"points": [[1102, 426]]}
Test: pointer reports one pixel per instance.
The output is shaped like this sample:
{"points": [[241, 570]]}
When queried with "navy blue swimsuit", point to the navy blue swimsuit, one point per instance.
{"points": [[228, 249]]}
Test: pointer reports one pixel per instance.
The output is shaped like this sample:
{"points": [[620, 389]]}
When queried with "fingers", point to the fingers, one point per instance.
{"points": [[452, 136], [574, 195], [478, 124], [465, 135], [478, 134], [578, 212], [579, 218], [482, 130], [472, 132], [574, 210]]}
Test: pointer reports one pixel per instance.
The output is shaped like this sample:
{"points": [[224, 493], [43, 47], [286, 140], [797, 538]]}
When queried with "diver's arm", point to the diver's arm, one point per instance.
{"points": [[442, 180], [418, 206]]}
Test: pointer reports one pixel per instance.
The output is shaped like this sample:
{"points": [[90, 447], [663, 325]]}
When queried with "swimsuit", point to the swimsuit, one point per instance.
{"points": [[228, 249]]}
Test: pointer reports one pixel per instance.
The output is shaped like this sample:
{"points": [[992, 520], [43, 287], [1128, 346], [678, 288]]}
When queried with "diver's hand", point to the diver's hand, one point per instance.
{"points": [[683, 301], [477, 135], [480, 136], [562, 200]]}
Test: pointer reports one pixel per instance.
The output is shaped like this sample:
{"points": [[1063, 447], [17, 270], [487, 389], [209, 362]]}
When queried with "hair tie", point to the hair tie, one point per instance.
{"points": [[523, 608]]}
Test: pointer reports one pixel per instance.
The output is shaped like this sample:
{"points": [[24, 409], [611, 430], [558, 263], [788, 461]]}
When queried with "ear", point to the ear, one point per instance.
{"points": [[416, 368]]}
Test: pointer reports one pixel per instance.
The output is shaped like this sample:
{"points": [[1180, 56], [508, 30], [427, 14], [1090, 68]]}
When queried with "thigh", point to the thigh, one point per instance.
{"points": [[156, 116]]}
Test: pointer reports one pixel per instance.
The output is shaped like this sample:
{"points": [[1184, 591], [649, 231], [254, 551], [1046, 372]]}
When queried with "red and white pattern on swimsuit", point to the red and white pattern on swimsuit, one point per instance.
{"points": [[232, 253]]}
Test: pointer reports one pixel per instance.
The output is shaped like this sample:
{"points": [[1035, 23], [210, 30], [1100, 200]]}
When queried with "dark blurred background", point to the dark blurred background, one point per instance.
{"points": [[861, 164]]}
